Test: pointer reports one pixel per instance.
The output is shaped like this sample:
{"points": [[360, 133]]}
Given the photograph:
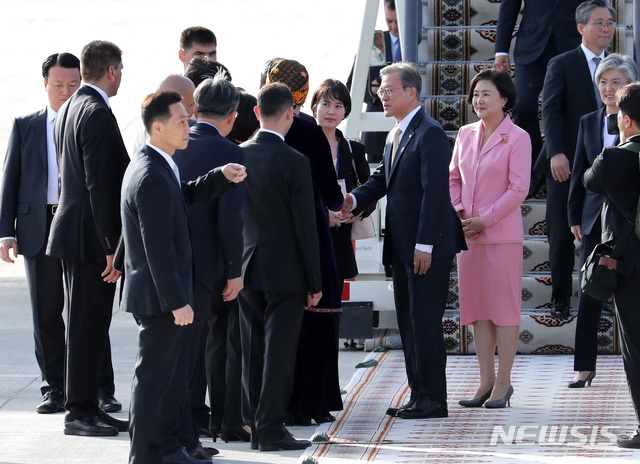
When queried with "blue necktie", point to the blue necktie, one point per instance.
{"points": [[397, 56]]}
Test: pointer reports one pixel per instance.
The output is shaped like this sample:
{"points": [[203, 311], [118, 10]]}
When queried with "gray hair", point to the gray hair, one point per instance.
{"points": [[624, 63], [583, 12], [409, 74], [216, 97]]}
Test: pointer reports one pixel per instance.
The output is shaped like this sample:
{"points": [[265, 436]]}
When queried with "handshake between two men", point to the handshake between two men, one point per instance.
{"points": [[421, 258]]}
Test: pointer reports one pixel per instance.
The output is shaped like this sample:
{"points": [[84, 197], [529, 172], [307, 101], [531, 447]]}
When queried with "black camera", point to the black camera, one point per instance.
{"points": [[612, 124]]}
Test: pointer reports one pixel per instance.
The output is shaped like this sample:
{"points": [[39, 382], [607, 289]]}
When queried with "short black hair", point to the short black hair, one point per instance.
{"points": [[628, 101], [97, 57], [390, 5], [265, 72], [197, 34], [155, 107], [501, 80], [66, 60], [246, 122], [274, 100], [332, 89], [200, 69]]}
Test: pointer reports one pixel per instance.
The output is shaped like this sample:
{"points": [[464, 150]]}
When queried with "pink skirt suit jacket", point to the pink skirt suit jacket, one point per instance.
{"points": [[491, 182]]}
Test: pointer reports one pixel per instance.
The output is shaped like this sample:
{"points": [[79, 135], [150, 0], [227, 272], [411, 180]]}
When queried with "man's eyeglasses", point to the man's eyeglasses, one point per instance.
{"points": [[603, 24], [387, 91]]}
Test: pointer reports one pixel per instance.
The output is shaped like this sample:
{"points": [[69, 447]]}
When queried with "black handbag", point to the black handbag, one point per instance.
{"points": [[600, 269]]}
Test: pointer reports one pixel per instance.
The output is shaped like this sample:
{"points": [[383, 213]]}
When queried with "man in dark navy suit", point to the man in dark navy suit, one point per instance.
{"points": [[86, 228], [158, 264], [569, 93], [216, 237], [423, 234], [28, 199], [546, 30]]}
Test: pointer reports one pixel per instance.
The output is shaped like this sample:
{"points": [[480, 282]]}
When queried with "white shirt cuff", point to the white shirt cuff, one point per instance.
{"points": [[501, 54], [2, 239], [422, 247], [355, 202]]}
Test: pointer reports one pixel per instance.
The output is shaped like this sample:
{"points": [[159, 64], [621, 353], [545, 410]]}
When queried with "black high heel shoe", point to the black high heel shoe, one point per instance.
{"points": [[502, 402], [228, 434], [476, 402], [582, 383], [213, 433]]}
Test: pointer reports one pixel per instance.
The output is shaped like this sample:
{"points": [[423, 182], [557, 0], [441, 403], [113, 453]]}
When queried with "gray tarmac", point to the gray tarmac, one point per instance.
{"points": [[28, 437]]}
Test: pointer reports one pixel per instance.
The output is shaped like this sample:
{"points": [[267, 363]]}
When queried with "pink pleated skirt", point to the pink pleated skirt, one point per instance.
{"points": [[490, 282]]}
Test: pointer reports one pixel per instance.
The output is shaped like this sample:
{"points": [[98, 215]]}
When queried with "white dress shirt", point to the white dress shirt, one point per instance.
{"points": [[102, 93], [590, 56], [52, 160], [169, 160]]}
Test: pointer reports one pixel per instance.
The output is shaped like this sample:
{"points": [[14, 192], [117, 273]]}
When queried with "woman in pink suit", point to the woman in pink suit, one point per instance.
{"points": [[489, 179]]}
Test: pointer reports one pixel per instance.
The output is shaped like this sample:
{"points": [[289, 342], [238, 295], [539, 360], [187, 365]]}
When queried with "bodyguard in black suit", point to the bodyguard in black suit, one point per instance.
{"points": [[615, 173], [28, 198], [86, 228], [158, 289], [216, 238], [569, 93], [547, 29], [281, 268], [423, 233]]}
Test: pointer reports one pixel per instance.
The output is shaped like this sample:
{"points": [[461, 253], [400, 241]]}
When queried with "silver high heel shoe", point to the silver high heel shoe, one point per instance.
{"points": [[502, 402]]}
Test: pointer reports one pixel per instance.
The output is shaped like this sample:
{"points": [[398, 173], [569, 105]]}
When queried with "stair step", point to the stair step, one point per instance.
{"points": [[539, 334], [453, 79], [463, 13], [536, 291], [536, 255], [533, 218]]}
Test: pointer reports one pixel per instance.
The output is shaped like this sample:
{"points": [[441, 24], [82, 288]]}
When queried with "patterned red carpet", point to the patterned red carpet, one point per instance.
{"points": [[547, 423]]}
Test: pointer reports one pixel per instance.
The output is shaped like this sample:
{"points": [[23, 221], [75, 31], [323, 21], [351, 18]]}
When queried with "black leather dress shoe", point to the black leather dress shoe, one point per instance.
{"points": [[181, 457], [205, 432], [324, 419], [424, 408], [285, 443], [629, 441], [120, 425], [393, 412], [203, 452], [109, 404], [53, 402], [90, 426], [561, 308]]}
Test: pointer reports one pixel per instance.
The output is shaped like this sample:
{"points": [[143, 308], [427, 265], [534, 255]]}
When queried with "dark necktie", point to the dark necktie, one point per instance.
{"points": [[397, 56], [597, 60]]}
